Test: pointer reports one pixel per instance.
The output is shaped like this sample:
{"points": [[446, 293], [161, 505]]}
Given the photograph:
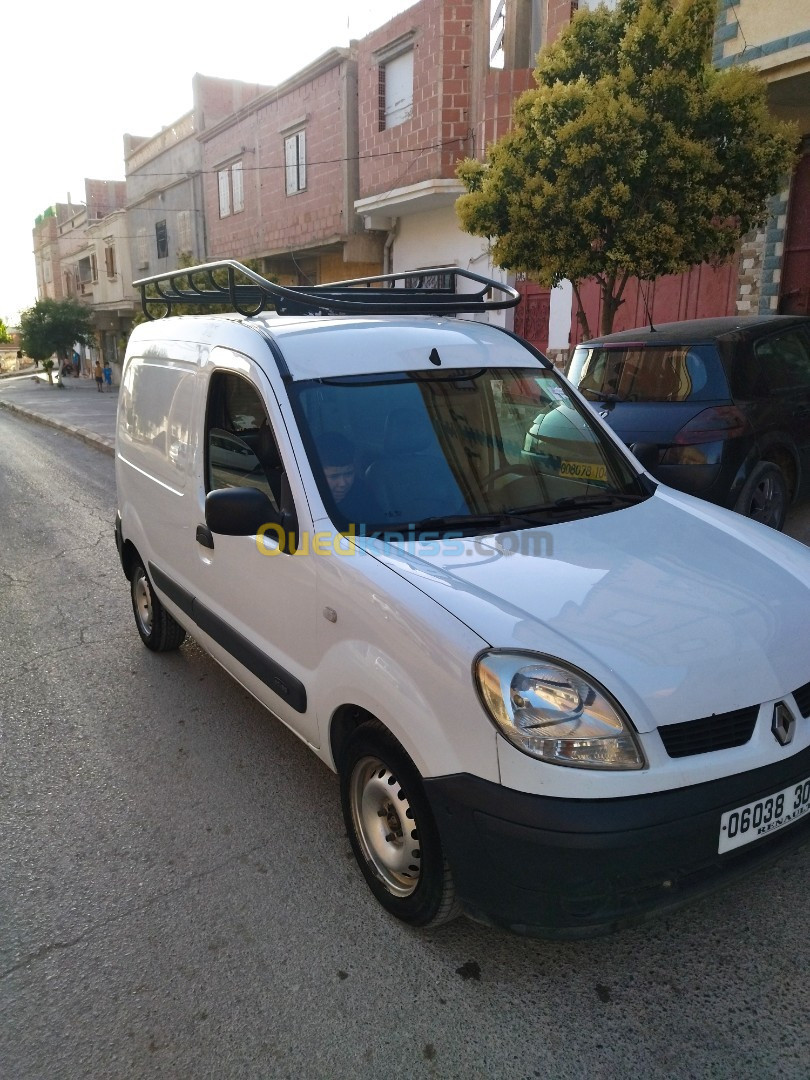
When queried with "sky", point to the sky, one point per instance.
{"points": [[77, 77]]}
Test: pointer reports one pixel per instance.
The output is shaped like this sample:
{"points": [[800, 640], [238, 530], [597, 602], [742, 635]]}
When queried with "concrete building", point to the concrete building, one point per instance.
{"points": [[99, 274], [280, 177], [164, 181], [78, 249], [59, 232]]}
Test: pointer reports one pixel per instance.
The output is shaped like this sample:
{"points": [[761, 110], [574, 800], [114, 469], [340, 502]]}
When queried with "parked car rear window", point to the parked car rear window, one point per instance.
{"points": [[650, 373]]}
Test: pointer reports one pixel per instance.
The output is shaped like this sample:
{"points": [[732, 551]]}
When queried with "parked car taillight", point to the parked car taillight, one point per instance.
{"points": [[713, 425]]}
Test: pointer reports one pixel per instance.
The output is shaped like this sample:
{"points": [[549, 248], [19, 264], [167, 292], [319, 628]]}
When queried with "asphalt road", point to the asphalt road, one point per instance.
{"points": [[178, 899]]}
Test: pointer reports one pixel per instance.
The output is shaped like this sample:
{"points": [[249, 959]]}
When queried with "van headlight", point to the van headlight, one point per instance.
{"points": [[556, 713]]}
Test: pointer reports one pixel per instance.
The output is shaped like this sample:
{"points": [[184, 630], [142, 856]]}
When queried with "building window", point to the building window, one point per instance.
{"points": [[184, 231], [295, 161], [162, 240], [396, 90], [109, 259], [231, 189], [142, 249], [497, 28], [87, 270], [224, 193], [237, 187]]}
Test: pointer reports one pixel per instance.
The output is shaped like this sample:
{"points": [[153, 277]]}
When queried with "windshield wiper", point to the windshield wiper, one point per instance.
{"points": [[572, 502], [468, 521], [599, 395]]}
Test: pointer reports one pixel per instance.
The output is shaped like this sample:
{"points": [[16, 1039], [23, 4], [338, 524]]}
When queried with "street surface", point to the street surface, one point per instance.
{"points": [[178, 898]]}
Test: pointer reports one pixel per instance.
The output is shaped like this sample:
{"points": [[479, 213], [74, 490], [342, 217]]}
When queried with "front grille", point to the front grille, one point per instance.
{"points": [[802, 696], [718, 732]]}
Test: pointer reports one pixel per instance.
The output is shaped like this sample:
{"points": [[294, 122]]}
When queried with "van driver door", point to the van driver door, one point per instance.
{"points": [[252, 600]]}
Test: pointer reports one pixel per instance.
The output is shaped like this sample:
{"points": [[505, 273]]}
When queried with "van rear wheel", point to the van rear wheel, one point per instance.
{"points": [[392, 831], [159, 631]]}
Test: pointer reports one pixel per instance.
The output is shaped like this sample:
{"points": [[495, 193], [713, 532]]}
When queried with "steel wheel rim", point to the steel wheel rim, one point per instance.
{"points": [[142, 602], [385, 826], [767, 501]]}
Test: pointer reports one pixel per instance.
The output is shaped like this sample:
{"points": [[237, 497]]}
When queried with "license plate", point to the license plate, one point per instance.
{"points": [[582, 470], [757, 819]]}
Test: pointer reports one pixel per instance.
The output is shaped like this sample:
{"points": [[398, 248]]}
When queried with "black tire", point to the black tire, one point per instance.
{"points": [[392, 831], [765, 495], [159, 631]]}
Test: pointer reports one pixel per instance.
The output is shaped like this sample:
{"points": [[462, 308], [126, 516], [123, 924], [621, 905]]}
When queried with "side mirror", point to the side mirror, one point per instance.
{"points": [[647, 454], [243, 511], [239, 511]]}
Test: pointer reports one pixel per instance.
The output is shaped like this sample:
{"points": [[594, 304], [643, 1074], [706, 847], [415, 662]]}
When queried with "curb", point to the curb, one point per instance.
{"points": [[100, 442]]}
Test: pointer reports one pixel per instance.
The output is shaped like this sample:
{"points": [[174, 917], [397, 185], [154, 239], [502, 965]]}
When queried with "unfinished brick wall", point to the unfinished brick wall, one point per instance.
{"points": [[429, 144], [559, 15], [317, 101], [104, 196]]}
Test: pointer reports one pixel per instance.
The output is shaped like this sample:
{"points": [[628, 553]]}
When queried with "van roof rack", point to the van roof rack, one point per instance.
{"points": [[422, 292]]}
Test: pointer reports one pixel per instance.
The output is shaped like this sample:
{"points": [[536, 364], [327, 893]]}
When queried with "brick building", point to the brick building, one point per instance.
{"points": [[419, 92], [437, 84], [280, 177]]}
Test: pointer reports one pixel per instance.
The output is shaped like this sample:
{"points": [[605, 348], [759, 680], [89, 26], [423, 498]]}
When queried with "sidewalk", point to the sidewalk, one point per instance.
{"points": [[76, 406]]}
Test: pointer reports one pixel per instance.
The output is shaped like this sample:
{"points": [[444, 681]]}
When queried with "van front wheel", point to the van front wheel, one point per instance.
{"points": [[159, 631], [392, 831]]}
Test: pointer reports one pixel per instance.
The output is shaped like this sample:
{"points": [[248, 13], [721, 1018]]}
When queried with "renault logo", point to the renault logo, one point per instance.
{"points": [[783, 724]]}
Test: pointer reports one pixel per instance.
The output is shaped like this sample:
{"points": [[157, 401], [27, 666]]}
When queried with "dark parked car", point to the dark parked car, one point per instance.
{"points": [[719, 408]]}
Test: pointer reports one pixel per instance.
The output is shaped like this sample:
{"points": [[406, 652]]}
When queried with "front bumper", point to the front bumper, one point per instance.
{"points": [[569, 868]]}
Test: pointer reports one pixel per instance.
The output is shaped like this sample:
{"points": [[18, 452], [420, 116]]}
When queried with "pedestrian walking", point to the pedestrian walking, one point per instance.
{"points": [[98, 375], [107, 375]]}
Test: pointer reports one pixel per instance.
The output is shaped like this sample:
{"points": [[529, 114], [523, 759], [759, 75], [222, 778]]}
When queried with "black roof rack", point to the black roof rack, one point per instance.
{"points": [[422, 292]]}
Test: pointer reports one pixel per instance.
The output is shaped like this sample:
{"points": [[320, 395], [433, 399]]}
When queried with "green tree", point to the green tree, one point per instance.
{"points": [[633, 157], [54, 326], [5, 337]]}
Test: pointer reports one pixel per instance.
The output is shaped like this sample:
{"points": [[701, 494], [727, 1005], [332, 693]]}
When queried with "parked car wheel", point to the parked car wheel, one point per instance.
{"points": [[159, 631], [765, 495], [392, 831]]}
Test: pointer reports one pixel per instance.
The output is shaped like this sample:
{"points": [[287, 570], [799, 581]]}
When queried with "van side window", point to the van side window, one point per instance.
{"points": [[241, 450]]}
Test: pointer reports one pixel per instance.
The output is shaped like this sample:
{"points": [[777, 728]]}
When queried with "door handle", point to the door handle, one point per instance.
{"points": [[205, 536]]}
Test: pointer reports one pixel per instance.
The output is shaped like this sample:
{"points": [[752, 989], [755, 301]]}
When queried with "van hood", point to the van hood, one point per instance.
{"points": [[679, 608]]}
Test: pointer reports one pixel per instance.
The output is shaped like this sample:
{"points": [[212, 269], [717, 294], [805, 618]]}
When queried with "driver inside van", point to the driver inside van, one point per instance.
{"points": [[352, 498]]}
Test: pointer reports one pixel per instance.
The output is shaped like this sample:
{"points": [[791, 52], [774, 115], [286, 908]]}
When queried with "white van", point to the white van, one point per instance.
{"points": [[560, 696]]}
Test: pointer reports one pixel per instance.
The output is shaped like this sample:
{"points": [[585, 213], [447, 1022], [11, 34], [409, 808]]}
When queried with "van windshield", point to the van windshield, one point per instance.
{"points": [[458, 452]]}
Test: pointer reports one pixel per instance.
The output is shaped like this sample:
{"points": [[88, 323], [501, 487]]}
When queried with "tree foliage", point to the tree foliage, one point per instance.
{"points": [[5, 337], [54, 326], [632, 157]]}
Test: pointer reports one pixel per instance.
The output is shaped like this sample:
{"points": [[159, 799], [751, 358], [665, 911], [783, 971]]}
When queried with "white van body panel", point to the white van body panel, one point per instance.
{"points": [[405, 659], [679, 610], [600, 593]]}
